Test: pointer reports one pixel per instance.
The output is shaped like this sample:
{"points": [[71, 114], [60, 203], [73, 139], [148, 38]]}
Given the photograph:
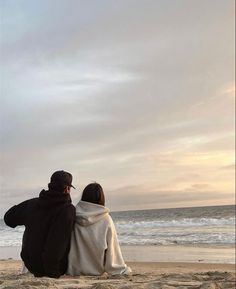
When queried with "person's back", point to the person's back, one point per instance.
{"points": [[94, 244], [48, 222]]}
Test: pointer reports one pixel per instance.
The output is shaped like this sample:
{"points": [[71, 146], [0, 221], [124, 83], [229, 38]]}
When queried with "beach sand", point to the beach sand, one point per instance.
{"points": [[169, 253], [146, 275]]}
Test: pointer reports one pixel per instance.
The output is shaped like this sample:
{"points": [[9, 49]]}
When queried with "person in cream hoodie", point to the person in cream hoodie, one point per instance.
{"points": [[94, 245]]}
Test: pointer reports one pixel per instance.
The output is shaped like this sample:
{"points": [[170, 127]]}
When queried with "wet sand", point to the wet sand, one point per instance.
{"points": [[172, 253]]}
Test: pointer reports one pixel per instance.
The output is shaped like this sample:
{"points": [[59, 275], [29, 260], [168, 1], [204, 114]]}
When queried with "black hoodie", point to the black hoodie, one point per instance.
{"points": [[48, 222]]}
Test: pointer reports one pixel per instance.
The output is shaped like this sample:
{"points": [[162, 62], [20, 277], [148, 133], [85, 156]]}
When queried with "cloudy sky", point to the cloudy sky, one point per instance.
{"points": [[135, 94]]}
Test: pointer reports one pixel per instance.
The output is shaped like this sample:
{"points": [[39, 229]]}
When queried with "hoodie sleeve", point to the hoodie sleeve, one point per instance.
{"points": [[16, 215], [114, 262], [57, 244]]}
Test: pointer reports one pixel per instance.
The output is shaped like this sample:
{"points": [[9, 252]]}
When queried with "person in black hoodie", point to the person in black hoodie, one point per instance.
{"points": [[48, 222]]}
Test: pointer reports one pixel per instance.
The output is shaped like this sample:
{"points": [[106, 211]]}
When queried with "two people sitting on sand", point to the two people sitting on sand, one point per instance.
{"points": [[62, 239]]}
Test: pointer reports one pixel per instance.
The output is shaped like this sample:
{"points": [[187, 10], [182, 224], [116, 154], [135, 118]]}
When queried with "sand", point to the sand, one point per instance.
{"points": [[168, 253], [146, 275]]}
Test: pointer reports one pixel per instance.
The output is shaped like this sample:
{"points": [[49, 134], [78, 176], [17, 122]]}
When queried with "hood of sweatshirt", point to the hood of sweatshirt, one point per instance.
{"points": [[51, 199], [89, 213]]}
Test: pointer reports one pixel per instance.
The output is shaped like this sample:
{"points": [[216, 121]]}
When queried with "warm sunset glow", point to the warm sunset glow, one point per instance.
{"points": [[138, 96]]}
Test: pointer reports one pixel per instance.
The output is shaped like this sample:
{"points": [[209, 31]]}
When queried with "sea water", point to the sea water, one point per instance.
{"points": [[182, 226]]}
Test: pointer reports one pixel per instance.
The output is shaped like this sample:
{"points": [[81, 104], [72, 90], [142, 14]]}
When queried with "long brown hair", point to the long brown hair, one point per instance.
{"points": [[93, 193]]}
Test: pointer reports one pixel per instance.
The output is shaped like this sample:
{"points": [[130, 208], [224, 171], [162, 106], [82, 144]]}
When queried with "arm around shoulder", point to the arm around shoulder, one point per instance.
{"points": [[16, 215]]}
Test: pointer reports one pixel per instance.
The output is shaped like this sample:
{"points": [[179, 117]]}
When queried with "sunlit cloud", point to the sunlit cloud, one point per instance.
{"points": [[140, 100], [229, 90]]}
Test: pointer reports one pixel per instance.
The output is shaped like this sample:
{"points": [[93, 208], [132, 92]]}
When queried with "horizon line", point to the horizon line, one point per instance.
{"points": [[169, 208]]}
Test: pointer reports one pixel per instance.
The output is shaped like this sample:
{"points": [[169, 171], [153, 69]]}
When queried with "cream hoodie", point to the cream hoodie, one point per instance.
{"points": [[94, 244]]}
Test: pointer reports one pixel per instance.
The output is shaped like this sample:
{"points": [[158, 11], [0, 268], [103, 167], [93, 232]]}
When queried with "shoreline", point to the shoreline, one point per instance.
{"points": [[164, 253]]}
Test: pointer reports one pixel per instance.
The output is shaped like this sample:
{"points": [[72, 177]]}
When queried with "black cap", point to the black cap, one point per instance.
{"points": [[62, 178]]}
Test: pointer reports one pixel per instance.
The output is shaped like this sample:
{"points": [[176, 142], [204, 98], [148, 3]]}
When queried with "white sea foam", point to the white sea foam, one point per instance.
{"points": [[185, 222], [209, 239], [182, 231], [10, 237]]}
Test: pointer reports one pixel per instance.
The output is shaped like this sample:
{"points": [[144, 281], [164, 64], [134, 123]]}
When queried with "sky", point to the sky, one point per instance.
{"points": [[136, 95]]}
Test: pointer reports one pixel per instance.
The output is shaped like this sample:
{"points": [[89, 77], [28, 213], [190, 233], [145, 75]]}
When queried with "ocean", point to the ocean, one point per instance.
{"points": [[184, 226], [208, 226]]}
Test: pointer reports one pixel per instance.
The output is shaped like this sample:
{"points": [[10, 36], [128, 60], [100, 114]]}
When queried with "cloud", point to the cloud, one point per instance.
{"points": [[117, 94], [229, 167], [229, 90], [122, 198]]}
